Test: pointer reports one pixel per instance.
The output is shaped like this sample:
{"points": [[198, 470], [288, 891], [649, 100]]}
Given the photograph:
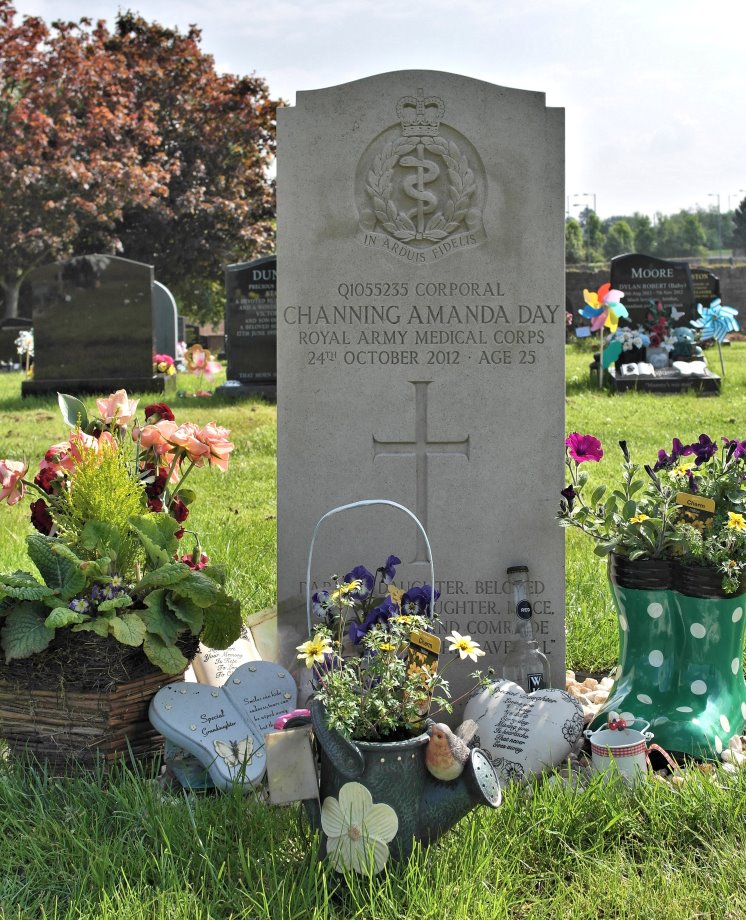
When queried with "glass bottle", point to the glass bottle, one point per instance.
{"points": [[525, 664]]}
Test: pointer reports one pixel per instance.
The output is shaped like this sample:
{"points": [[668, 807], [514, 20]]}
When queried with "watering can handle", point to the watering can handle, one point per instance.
{"points": [[362, 504], [666, 756]]}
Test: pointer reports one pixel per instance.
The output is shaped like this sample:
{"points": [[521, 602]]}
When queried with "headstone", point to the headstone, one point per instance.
{"points": [[251, 326], [93, 326], [421, 331], [705, 286], [165, 320], [10, 329], [644, 278]]}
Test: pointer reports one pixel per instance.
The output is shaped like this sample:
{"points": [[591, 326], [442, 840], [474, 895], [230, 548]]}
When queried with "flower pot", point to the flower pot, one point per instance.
{"points": [[681, 654]]}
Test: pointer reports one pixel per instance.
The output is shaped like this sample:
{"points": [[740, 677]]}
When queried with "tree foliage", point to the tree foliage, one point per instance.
{"points": [[574, 248], [129, 141], [739, 225]]}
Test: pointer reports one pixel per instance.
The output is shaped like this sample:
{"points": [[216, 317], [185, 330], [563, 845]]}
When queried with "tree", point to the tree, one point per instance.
{"points": [[619, 239], [739, 224], [574, 249], [644, 233], [594, 237], [129, 141], [75, 149]]}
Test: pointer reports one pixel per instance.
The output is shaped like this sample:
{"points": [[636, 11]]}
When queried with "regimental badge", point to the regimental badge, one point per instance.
{"points": [[421, 186]]}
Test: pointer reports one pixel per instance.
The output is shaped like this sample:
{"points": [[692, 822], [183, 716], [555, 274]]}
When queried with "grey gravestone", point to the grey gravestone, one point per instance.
{"points": [[421, 334], [93, 326], [251, 327], [10, 329], [165, 320], [705, 286], [644, 278]]}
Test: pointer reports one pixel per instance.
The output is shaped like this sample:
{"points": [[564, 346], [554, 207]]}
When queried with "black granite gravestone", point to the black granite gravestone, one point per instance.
{"points": [[93, 326], [251, 326], [644, 278], [705, 286]]}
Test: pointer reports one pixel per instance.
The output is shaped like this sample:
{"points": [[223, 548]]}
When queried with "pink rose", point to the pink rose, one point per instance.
{"points": [[157, 437], [216, 438], [186, 436], [12, 487], [117, 409]]}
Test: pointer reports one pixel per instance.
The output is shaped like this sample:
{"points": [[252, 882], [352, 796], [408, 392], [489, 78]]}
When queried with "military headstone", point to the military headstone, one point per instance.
{"points": [[705, 286], [93, 326], [251, 326], [165, 320], [644, 279], [421, 334]]}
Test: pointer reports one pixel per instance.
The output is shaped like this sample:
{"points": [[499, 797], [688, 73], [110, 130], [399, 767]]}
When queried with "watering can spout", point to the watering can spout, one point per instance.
{"points": [[445, 803]]}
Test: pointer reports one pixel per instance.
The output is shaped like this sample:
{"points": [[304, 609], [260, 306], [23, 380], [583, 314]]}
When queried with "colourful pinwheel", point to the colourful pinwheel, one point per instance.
{"points": [[603, 308], [716, 321]]}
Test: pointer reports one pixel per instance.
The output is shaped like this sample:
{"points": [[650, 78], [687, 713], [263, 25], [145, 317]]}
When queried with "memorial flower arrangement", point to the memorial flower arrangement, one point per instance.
{"points": [[375, 657], [688, 506], [110, 515], [164, 364], [199, 361]]}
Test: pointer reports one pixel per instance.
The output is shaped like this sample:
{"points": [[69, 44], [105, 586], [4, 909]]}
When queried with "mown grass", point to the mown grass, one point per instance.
{"points": [[120, 846]]}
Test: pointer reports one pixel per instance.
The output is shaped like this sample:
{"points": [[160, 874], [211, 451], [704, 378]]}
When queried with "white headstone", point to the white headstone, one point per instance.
{"points": [[421, 339]]}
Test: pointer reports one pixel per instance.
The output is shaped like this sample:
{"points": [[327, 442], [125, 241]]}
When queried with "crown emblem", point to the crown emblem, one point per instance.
{"points": [[420, 116]]}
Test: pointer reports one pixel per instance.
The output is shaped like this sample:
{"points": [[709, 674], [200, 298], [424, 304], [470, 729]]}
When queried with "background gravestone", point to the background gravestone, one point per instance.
{"points": [[421, 334], [644, 278], [251, 327], [165, 320], [705, 286], [10, 329], [93, 326]]}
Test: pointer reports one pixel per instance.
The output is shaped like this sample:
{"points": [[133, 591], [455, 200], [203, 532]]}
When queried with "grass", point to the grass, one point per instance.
{"points": [[121, 847]]}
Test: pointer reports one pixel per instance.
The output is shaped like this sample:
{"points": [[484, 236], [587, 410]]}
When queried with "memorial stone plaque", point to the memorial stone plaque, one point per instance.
{"points": [[251, 321], [644, 278], [165, 320], [421, 347], [705, 286], [93, 326]]}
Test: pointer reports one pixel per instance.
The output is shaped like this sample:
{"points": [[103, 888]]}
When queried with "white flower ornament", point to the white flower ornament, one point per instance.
{"points": [[357, 830]]}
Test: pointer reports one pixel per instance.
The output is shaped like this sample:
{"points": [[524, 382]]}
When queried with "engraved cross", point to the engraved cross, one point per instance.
{"points": [[420, 448]]}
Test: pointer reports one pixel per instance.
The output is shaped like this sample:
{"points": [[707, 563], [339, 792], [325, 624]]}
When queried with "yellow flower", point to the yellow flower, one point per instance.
{"points": [[314, 650], [386, 647], [735, 521], [464, 646], [681, 471], [639, 518], [343, 591]]}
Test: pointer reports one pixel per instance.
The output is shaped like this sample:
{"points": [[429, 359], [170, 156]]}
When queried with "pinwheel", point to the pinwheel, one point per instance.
{"points": [[603, 309], [715, 322]]}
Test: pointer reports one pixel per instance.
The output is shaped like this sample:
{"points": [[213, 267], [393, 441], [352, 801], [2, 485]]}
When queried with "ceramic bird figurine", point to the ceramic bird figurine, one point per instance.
{"points": [[446, 753]]}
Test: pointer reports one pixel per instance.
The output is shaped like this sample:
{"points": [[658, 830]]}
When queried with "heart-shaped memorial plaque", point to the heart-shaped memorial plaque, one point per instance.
{"points": [[224, 727], [525, 732]]}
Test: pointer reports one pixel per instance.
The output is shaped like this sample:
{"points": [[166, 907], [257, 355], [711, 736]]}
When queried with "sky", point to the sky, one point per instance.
{"points": [[653, 90]]}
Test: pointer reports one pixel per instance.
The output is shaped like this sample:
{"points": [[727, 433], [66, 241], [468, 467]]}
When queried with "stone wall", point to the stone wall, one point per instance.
{"points": [[732, 285]]}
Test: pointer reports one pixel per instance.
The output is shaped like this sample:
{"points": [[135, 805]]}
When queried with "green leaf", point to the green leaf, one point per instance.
{"points": [[58, 571], [598, 494], [603, 549], [629, 510], [73, 410], [199, 588], [635, 486], [582, 479], [63, 616], [222, 622], [24, 632], [166, 657], [128, 629], [115, 603], [163, 577], [156, 533], [103, 538], [23, 586], [186, 495], [216, 572], [98, 625], [159, 619], [187, 611]]}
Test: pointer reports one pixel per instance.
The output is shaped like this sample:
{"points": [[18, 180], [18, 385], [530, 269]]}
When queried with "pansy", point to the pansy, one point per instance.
{"points": [[703, 449], [416, 601], [320, 603], [380, 614], [583, 447], [365, 580], [389, 569]]}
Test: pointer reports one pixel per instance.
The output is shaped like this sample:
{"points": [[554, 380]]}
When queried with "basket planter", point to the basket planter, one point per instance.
{"points": [[81, 702], [681, 654]]}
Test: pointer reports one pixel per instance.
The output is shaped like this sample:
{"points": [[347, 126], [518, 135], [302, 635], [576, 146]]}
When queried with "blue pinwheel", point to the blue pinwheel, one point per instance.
{"points": [[716, 321]]}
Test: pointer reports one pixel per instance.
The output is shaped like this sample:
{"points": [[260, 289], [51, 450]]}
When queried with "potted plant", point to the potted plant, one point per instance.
{"points": [[376, 674], [117, 608], [675, 535]]}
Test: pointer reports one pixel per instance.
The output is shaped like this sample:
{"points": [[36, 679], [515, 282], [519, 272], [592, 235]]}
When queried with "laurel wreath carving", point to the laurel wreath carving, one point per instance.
{"points": [[460, 189]]}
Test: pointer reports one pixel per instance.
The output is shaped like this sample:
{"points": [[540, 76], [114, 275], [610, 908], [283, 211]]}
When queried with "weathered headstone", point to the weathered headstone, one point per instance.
{"points": [[705, 286], [93, 326], [644, 278], [251, 326], [165, 320], [421, 338]]}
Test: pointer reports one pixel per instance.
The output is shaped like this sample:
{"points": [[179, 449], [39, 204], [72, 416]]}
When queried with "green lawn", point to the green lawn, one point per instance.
{"points": [[120, 847]]}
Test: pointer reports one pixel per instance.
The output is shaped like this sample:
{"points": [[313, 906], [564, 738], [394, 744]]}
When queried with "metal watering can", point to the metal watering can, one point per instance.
{"points": [[616, 745]]}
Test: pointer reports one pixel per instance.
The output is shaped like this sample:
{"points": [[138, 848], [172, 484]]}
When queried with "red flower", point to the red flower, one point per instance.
{"points": [[584, 447], [156, 412], [40, 516], [179, 511], [201, 563]]}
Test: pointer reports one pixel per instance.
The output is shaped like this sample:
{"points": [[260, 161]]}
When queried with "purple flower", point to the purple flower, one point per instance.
{"points": [[570, 494], [389, 569], [692, 481], [416, 602], [320, 604], [736, 447], [79, 605], [677, 450], [704, 449], [381, 614], [584, 447], [366, 579]]}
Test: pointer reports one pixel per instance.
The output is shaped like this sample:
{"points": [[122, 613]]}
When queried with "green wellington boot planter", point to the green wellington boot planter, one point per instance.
{"points": [[681, 654]]}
